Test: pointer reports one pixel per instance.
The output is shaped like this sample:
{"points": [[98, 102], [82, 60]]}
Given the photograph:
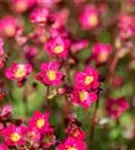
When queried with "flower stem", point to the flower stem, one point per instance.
{"points": [[93, 124], [46, 97], [26, 110]]}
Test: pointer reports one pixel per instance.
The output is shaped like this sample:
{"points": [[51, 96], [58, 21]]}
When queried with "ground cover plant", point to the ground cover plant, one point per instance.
{"points": [[67, 74]]}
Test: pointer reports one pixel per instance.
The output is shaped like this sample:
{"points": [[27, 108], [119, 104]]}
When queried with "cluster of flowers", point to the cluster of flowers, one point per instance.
{"points": [[38, 133], [59, 45]]}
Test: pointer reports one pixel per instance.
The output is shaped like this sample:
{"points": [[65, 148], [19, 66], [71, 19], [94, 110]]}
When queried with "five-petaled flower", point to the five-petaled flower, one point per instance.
{"points": [[89, 79], [83, 97], [18, 72], [57, 46], [49, 74], [14, 135], [39, 121]]}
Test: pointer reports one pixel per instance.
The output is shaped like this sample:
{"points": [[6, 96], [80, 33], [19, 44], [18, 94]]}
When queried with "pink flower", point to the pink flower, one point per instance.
{"points": [[49, 74], [48, 3], [3, 147], [18, 72], [39, 15], [30, 52], [72, 144], [77, 46], [89, 18], [57, 46], [116, 107], [75, 132], [8, 26], [1, 47], [33, 135], [126, 26], [59, 32], [39, 121], [83, 97], [101, 52], [49, 138], [21, 6], [39, 35], [5, 112], [87, 79], [14, 135], [60, 18]]}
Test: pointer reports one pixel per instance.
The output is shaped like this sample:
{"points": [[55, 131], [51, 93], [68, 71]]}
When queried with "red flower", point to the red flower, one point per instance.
{"points": [[87, 79], [57, 46], [75, 132], [14, 135], [84, 98], [72, 144], [89, 18], [49, 74], [39, 121], [116, 107], [101, 52]]}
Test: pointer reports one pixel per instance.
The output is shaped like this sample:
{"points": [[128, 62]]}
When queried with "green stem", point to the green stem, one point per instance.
{"points": [[93, 124]]}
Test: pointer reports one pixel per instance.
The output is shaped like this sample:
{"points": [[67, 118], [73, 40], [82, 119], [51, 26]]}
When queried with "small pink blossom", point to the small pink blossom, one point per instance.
{"points": [[14, 135], [5, 112], [88, 79], [89, 18], [48, 3], [83, 98], [57, 47], [30, 52], [39, 35], [126, 26], [101, 52], [32, 134], [18, 72], [60, 18], [39, 121], [116, 107], [75, 132], [49, 138], [77, 46], [8, 26], [59, 32], [21, 6], [49, 74], [72, 144], [39, 15]]}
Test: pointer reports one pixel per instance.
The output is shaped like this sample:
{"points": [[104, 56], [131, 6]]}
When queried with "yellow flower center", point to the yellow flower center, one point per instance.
{"points": [[93, 20], [71, 148], [20, 72], [83, 96], [40, 123], [15, 137], [102, 57], [58, 49], [9, 30], [51, 75], [88, 80]]}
